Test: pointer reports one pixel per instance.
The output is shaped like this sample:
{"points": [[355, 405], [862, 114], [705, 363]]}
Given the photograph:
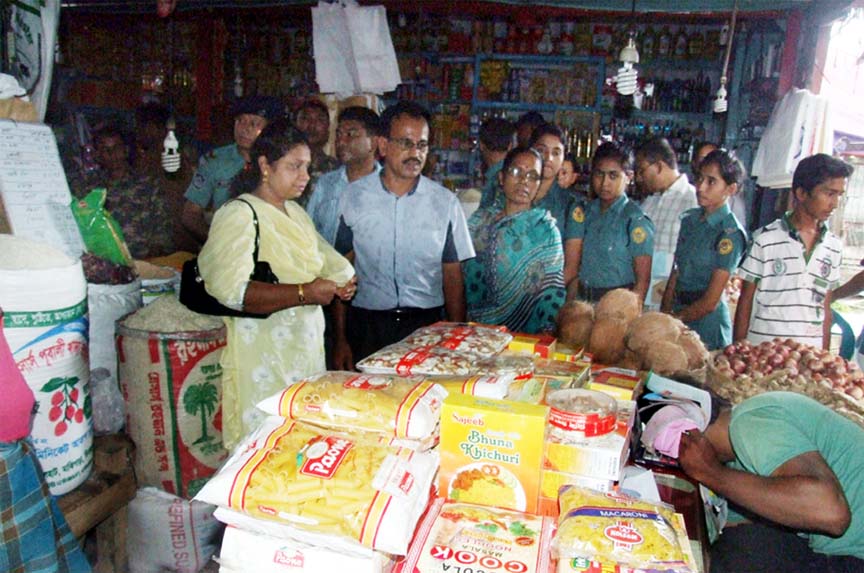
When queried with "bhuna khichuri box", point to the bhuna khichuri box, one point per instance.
{"points": [[491, 452]]}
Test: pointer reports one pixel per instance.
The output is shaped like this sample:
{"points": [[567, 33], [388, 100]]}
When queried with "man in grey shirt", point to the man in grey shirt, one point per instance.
{"points": [[407, 236]]}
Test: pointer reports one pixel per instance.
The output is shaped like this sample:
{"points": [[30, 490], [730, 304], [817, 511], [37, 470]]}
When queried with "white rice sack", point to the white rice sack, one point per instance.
{"points": [[389, 405], [167, 534], [322, 481], [245, 551]]}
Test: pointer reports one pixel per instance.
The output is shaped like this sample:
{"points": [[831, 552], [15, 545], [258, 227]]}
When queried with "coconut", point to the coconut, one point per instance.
{"points": [[691, 344], [607, 340], [631, 360], [650, 328], [619, 303], [575, 321], [666, 357]]}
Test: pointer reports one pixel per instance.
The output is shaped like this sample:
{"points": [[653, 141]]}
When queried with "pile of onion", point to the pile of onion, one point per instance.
{"points": [[791, 359]]}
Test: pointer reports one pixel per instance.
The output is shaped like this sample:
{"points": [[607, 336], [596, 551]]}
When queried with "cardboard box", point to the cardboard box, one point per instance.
{"points": [[542, 345], [569, 374], [567, 352], [600, 457], [620, 383], [491, 451]]}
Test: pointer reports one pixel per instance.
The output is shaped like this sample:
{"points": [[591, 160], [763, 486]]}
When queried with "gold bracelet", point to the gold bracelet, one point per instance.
{"points": [[300, 295]]}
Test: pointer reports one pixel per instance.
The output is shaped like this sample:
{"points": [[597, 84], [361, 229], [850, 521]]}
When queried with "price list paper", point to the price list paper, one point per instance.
{"points": [[33, 187]]}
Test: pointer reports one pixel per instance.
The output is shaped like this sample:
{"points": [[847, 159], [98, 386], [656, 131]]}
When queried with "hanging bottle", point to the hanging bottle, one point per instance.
{"points": [[681, 44], [664, 43]]}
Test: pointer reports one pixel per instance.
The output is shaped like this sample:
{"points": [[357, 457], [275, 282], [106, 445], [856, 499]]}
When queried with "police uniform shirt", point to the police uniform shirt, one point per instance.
{"points": [[790, 286], [211, 184], [560, 203], [610, 241], [705, 244]]}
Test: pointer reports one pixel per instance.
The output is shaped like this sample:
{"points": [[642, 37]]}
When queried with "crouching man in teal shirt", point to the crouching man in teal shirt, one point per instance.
{"points": [[795, 467]]}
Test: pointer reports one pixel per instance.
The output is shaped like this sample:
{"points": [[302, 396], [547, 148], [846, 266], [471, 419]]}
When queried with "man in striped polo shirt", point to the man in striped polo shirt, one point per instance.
{"points": [[794, 262]]}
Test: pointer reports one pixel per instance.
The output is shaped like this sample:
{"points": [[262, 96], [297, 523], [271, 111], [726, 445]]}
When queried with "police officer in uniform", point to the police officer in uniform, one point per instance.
{"points": [[210, 184], [709, 250], [615, 238]]}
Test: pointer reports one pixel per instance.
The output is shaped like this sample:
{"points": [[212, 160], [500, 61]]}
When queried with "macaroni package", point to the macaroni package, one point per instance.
{"points": [[491, 386], [475, 339], [327, 482], [407, 360], [615, 528], [385, 404]]}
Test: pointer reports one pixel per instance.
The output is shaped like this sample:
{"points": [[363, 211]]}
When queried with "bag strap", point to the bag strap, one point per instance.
{"points": [[255, 223]]}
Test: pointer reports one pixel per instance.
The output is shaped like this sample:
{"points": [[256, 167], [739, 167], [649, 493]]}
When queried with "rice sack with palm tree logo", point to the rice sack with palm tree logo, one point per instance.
{"points": [[172, 383]]}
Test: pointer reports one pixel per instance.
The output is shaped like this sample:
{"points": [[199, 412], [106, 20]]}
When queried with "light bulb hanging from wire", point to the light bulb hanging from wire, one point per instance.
{"points": [[721, 105], [626, 81]]}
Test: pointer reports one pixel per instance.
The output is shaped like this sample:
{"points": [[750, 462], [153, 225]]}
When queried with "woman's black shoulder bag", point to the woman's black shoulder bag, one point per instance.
{"points": [[196, 298]]}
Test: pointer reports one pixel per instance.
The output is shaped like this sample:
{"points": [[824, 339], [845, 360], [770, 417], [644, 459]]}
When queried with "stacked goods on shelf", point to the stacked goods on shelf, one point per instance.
{"points": [[743, 370], [456, 536], [610, 532]]}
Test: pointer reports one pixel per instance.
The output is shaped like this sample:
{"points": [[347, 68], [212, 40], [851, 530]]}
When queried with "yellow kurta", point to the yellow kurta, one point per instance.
{"points": [[265, 355]]}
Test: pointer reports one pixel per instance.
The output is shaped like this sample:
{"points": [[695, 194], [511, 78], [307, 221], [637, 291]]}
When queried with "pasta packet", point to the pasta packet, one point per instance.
{"points": [[407, 360], [616, 528], [326, 482], [482, 386], [475, 339], [453, 535], [381, 403]]}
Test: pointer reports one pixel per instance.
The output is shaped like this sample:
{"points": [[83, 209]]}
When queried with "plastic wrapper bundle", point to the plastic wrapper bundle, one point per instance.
{"points": [[617, 529], [101, 232], [322, 481], [475, 339], [407, 360], [392, 406], [456, 536]]}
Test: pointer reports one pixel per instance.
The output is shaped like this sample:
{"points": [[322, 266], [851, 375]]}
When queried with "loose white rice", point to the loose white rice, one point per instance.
{"points": [[167, 314], [18, 254]]}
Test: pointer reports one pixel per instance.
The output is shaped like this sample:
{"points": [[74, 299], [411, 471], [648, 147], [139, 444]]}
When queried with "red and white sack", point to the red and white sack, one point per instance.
{"points": [[172, 384]]}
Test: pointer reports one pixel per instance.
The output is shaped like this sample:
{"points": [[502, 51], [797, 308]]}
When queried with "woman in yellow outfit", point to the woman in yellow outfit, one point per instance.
{"points": [[264, 355]]}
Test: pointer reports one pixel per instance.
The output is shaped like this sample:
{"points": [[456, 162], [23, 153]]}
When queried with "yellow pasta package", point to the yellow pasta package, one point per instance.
{"points": [[616, 528], [326, 482], [397, 407]]}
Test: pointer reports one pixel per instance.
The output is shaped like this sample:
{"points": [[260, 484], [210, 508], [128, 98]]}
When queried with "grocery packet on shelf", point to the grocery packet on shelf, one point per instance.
{"points": [[306, 479], [458, 536], [384, 404], [617, 532]]}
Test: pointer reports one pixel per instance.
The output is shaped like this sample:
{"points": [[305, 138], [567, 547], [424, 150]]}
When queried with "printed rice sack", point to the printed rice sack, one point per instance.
{"points": [[43, 294], [172, 384]]}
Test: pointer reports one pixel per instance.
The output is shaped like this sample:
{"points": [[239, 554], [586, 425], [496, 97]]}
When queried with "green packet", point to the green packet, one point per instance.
{"points": [[100, 231]]}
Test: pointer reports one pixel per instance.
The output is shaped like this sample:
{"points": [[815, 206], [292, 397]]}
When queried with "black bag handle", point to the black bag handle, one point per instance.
{"points": [[257, 234]]}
